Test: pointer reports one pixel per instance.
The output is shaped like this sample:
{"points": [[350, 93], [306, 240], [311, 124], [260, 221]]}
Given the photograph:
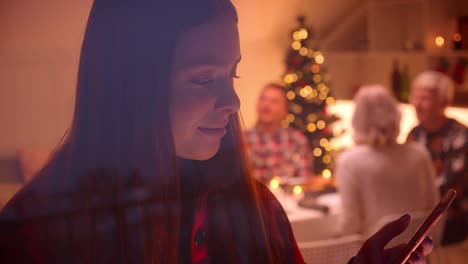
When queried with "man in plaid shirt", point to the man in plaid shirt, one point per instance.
{"points": [[274, 150]]}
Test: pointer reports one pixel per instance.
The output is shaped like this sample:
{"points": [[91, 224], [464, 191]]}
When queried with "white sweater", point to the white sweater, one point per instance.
{"points": [[374, 182]]}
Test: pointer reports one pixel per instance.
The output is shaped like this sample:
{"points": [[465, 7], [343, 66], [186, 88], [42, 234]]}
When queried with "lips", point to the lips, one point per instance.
{"points": [[214, 132]]}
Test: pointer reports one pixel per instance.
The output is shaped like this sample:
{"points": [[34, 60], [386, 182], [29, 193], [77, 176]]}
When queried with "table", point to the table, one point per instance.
{"points": [[308, 224]]}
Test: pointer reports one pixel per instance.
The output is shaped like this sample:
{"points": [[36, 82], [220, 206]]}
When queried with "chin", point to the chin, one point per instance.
{"points": [[205, 155], [204, 152]]}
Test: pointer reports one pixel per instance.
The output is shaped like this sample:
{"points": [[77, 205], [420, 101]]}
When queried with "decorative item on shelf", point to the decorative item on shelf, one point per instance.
{"points": [[443, 65], [309, 94], [396, 79], [459, 69], [462, 43], [457, 41], [400, 82], [405, 85]]}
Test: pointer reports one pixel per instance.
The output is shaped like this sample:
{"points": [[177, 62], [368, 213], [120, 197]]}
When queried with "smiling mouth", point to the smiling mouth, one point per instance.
{"points": [[214, 132]]}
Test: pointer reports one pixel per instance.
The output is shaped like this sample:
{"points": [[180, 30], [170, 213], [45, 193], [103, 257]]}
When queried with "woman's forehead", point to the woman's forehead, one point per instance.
{"points": [[215, 43]]}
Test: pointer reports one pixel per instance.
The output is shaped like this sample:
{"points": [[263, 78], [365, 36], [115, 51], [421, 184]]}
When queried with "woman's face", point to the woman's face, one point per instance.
{"points": [[201, 92]]}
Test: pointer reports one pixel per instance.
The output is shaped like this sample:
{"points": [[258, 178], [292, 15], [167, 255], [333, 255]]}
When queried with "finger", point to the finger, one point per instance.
{"points": [[426, 246], [388, 232], [392, 253], [417, 258]]}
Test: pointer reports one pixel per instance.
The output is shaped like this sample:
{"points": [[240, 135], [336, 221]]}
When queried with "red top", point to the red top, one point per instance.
{"points": [[35, 243], [199, 252]]}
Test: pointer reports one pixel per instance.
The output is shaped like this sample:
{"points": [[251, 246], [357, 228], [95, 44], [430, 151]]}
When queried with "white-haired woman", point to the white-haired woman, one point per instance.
{"points": [[378, 176]]}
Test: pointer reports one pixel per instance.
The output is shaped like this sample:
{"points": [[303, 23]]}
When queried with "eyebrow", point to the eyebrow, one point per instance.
{"points": [[206, 64]]}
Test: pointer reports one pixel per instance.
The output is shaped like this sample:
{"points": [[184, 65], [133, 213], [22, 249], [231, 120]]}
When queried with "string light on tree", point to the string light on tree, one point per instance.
{"points": [[326, 173], [311, 127]]}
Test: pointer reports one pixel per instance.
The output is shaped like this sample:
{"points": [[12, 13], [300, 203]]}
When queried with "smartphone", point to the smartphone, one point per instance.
{"points": [[424, 229]]}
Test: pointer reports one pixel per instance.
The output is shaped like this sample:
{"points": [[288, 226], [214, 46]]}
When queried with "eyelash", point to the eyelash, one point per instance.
{"points": [[210, 81]]}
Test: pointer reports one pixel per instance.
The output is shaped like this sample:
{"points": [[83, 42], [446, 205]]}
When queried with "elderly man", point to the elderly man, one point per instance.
{"points": [[447, 141], [274, 150]]}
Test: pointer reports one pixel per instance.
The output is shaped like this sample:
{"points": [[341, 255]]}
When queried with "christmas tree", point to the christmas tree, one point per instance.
{"points": [[309, 94]]}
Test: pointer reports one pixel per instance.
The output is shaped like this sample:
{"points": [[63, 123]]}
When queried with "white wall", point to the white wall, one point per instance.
{"points": [[39, 50]]}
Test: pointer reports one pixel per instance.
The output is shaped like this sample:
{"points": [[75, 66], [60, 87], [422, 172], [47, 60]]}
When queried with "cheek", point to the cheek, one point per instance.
{"points": [[188, 110]]}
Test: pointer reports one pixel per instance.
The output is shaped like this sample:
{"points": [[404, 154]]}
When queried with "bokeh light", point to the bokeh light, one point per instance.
{"points": [[326, 173], [439, 41], [317, 152]]}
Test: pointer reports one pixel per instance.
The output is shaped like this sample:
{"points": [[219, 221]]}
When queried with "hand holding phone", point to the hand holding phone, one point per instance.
{"points": [[424, 229]]}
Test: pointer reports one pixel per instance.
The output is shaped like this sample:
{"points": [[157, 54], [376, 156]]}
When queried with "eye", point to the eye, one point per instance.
{"points": [[203, 82], [203, 79]]}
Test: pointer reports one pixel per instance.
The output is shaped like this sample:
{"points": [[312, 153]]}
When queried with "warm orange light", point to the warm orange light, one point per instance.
{"points": [[297, 35], [439, 41], [303, 33], [321, 124], [319, 59], [326, 159], [457, 37], [330, 101], [315, 68], [303, 51], [323, 142], [275, 182], [317, 78], [326, 173], [291, 95], [304, 92], [296, 45], [312, 117], [294, 76], [314, 93], [323, 96], [311, 127], [317, 152], [297, 189]]}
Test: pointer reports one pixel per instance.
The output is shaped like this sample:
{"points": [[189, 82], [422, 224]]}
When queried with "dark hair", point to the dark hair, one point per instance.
{"points": [[120, 137], [275, 86]]}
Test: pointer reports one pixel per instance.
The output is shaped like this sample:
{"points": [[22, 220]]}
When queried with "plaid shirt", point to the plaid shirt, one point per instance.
{"points": [[285, 153]]}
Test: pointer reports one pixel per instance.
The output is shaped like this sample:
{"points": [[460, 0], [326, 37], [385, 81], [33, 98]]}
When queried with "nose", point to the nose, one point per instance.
{"points": [[227, 100]]}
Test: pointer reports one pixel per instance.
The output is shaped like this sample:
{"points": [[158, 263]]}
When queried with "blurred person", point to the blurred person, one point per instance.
{"points": [[152, 169], [379, 177], [273, 149], [447, 141]]}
